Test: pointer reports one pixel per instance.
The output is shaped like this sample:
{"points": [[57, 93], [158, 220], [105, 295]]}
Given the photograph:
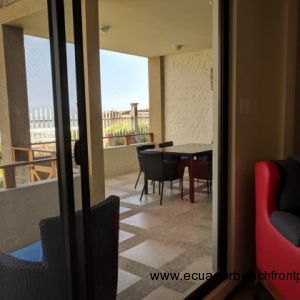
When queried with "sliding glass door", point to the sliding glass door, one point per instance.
{"points": [[65, 23], [46, 250], [57, 30], [50, 234], [174, 242]]}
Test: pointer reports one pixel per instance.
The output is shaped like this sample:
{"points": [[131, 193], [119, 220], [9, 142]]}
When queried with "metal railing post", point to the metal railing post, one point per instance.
{"points": [[134, 117]]}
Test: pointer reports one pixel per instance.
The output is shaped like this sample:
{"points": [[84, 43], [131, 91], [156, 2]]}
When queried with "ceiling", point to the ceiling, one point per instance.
{"points": [[141, 27]]}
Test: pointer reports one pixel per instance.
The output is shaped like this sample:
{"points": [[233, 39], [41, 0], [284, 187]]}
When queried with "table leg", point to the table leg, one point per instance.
{"points": [[191, 177], [146, 186]]}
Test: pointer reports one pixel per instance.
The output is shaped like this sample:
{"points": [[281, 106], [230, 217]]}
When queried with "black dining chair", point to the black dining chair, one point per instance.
{"points": [[138, 150], [166, 156], [205, 156], [183, 159], [156, 168], [166, 144]]}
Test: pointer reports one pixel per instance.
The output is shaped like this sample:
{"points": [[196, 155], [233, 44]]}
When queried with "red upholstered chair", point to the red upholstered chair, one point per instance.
{"points": [[277, 231]]}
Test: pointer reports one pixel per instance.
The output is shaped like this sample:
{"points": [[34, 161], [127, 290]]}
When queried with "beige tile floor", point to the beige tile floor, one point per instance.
{"points": [[124, 209], [153, 253], [174, 237], [124, 235], [144, 220], [126, 279], [163, 293]]}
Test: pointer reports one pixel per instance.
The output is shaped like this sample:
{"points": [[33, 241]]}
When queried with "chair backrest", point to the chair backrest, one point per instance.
{"points": [[166, 144], [152, 164], [202, 169], [156, 168], [289, 192], [105, 235], [144, 147], [205, 156]]}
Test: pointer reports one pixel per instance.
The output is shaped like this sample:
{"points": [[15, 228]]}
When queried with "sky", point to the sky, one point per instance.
{"points": [[124, 77]]}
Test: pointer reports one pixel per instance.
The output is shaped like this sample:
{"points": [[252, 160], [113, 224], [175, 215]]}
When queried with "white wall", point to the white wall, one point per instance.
{"points": [[188, 97], [262, 69]]}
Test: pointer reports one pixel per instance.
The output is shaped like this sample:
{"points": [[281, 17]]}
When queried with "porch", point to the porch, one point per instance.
{"points": [[174, 237]]}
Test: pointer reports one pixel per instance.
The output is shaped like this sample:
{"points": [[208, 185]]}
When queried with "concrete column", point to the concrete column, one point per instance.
{"points": [[14, 114], [156, 97], [93, 98]]}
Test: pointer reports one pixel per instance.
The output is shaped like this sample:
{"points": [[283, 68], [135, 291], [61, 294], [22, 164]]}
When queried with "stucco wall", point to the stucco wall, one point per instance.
{"points": [[188, 97], [22, 208], [120, 160]]}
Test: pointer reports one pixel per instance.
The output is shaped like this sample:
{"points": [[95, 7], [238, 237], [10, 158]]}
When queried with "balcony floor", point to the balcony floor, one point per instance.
{"points": [[174, 237]]}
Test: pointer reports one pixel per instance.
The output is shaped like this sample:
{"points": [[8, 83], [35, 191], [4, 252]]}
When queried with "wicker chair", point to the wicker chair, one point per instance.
{"points": [[158, 169], [166, 156], [45, 280], [138, 150]]}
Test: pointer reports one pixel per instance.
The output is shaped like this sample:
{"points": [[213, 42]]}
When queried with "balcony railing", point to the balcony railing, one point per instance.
{"points": [[115, 124], [41, 162], [119, 128]]}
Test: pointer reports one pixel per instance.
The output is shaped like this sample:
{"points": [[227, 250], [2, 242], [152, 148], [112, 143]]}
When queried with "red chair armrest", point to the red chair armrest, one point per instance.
{"points": [[267, 180]]}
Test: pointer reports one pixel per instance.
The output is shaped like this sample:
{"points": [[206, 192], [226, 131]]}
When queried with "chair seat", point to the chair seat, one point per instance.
{"points": [[25, 277], [184, 157], [32, 252], [288, 225]]}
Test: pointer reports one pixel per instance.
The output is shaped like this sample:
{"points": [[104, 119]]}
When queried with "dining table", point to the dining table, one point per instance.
{"points": [[188, 152]]}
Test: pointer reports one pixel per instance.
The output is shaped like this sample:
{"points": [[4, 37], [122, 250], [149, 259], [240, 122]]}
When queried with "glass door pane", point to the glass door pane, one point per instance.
{"points": [[175, 235], [79, 152], [38, 239], [99, 228]]}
